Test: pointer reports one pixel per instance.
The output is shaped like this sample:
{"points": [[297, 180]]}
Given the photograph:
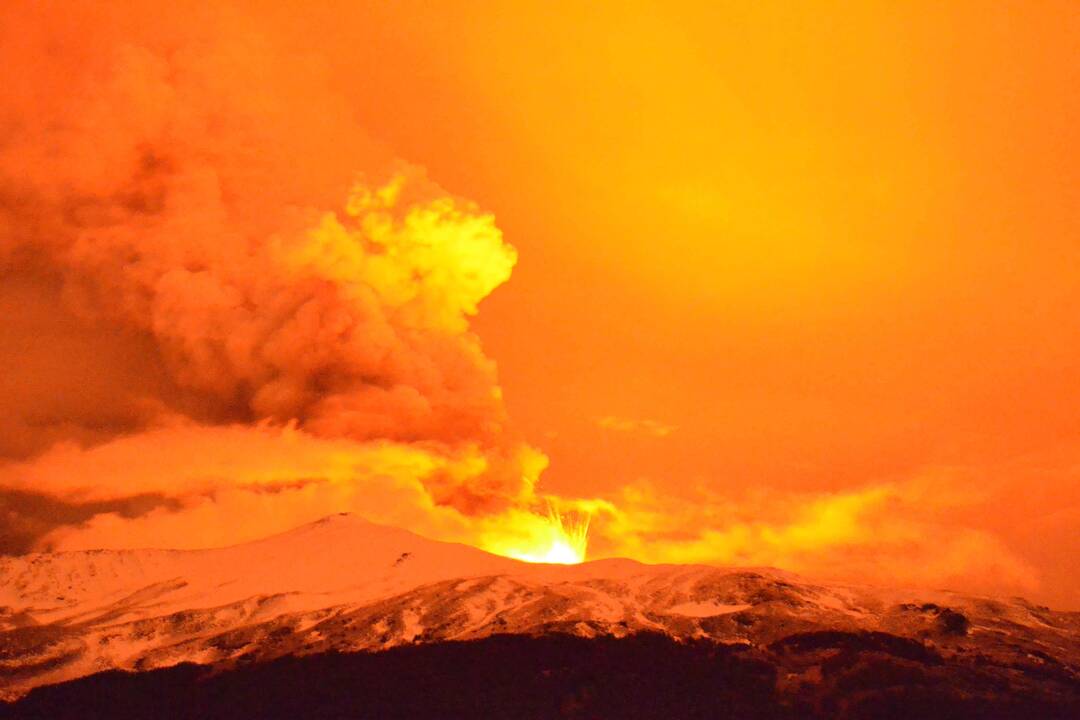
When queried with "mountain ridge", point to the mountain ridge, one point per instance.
{"points": [[343, 584]]}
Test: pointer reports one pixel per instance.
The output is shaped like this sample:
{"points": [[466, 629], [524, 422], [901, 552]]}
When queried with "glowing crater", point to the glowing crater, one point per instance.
{"points": [[553, 539]]}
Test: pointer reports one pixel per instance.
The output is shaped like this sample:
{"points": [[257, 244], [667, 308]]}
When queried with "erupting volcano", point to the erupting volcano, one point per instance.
{"points": [[406, 343], [562, 542]]}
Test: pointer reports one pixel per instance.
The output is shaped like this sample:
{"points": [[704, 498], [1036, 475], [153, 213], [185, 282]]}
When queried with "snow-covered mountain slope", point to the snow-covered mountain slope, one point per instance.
{"points": [[345, 584]]}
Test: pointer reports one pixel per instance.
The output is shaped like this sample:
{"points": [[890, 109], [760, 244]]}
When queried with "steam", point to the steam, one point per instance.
{"points": [[193, 199]]}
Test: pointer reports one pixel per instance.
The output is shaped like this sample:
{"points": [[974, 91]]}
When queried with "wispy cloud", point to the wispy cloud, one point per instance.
{"points": [[630, 425]]}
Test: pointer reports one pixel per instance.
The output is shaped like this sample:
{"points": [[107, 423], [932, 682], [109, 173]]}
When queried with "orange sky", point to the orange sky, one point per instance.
{"points": [[830, 244], [772, 257]]}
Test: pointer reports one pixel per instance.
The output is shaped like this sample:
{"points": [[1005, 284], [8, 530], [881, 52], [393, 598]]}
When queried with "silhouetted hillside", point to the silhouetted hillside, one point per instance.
{"points": [[813, 675]]}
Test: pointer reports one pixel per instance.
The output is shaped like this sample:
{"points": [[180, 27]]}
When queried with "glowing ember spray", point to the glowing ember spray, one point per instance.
{"points": [[560, 538]]}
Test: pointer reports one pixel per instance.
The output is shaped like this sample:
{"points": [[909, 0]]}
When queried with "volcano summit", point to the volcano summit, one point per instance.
{"points": [[348, 597]]}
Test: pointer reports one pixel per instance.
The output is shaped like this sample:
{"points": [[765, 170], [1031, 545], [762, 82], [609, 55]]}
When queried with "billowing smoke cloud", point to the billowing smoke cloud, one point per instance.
{"points": [[195, 231]]}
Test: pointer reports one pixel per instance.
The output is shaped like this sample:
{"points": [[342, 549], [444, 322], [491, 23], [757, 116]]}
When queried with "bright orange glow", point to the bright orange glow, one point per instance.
{"points": [[555, 539], [793, 284]]}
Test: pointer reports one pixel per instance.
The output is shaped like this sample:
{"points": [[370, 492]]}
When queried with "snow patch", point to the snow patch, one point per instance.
{"points": [[706, 609]]}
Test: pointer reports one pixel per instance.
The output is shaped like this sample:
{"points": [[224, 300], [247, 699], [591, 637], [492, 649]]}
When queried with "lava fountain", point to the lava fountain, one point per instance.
{"points": [[559, 538]]}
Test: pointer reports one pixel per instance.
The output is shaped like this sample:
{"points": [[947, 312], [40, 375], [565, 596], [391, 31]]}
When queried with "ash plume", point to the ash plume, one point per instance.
{"points": [[196, 232]]}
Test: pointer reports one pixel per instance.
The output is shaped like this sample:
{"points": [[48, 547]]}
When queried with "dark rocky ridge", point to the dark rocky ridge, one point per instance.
{"points": [[828, 674]]}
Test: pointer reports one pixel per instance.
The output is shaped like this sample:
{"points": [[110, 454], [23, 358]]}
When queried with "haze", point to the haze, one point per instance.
{"points": [[790, 286]]}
